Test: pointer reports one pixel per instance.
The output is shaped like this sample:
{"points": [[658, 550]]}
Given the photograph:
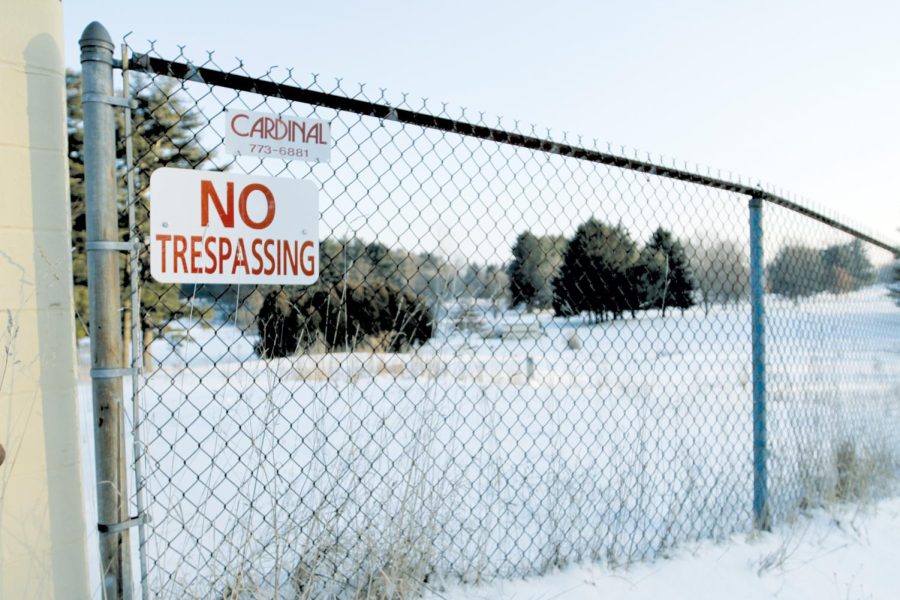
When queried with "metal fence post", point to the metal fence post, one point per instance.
{"points": [[758, 342], [104, 291]]}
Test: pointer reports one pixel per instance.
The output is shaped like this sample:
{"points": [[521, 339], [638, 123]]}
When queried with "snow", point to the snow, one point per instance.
{"points": [[848, 553], [497, 457]]}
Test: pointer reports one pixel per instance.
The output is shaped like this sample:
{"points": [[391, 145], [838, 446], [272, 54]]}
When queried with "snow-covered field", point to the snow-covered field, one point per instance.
{"points": [[841, 554], [472, 458]]}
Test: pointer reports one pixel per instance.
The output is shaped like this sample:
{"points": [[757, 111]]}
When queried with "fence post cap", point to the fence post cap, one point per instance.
{"points": [[95, 34]]}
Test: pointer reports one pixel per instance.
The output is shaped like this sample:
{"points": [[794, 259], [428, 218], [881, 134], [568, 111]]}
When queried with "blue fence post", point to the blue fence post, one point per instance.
{"points": [[758, 341]]}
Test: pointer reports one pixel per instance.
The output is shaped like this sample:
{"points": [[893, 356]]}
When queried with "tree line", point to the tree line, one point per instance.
{"points": [[601, 271], [799, 271], [604, 272]]}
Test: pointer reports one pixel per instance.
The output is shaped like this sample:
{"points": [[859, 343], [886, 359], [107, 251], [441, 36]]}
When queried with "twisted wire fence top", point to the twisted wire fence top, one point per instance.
{"points": [[522, 352]]}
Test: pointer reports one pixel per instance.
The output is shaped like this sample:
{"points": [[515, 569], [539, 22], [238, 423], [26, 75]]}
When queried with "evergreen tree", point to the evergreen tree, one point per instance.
{"points": [[536, 260], [595, 274], [650, 278], [164, 134], [665, 273], [522, 288], [75, 130]]}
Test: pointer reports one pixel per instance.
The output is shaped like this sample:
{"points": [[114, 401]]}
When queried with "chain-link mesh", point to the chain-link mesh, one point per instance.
{"points": [[577, 385]]}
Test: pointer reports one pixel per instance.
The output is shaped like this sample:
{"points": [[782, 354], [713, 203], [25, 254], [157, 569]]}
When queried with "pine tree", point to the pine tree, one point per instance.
{"points": [[536, 260], [570, 288], [595, 273], [665, 273], [650, 278], [75, 130]]}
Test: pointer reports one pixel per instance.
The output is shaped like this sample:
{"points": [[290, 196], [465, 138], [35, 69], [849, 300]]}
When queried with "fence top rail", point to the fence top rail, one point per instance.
{"points": [[145, 63]]}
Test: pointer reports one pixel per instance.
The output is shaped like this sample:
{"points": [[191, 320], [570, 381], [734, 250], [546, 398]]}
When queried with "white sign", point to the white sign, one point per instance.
{"points": [[209, 227], [277, 136]]}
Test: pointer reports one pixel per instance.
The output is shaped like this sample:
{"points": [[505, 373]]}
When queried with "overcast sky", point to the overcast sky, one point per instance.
{"points": [[805, 95]]}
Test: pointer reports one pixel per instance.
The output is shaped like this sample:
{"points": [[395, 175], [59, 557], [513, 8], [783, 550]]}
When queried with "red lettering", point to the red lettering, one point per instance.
{"points": [[270, 206], [298, 127], [307, 262], [179, 244], [254, 250], [224, 253], [259, 128], [163, 238], [234, 124], [268, 252], [314, 133], [207, 192], [290, 257], [195, 253], [212, 257], [280, 130], [240, 257]]}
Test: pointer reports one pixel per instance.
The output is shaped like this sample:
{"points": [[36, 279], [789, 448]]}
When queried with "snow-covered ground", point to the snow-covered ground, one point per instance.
{"points": [[845, 554], [477, 458]]}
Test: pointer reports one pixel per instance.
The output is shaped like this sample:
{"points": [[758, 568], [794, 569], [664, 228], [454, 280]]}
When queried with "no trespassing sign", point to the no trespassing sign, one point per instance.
{"points": [[210, 227]]}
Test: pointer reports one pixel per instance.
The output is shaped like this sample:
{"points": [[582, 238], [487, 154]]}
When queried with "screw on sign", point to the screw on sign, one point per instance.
{"points": [[208, 227]]}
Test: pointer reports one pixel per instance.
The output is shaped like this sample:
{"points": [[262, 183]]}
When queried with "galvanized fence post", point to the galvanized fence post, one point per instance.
{"points": [[103, 248], [758, 341]]}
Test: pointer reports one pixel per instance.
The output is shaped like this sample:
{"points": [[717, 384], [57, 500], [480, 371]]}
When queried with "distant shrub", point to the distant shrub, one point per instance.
{"points": [[278, 326], [342, 316], [797, 272]]}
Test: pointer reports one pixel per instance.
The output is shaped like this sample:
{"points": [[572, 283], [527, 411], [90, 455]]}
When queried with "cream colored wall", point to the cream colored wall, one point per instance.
{"points": [[42, 523]]}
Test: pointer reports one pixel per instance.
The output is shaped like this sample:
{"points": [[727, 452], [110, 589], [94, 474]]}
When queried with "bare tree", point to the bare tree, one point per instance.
{"points": [[721, 271]]}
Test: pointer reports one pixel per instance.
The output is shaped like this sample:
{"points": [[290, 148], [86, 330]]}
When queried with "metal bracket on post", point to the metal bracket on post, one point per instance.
{"points": [[112, 100], [113, 373], [107, 246], [122, 526], [761, 516]]}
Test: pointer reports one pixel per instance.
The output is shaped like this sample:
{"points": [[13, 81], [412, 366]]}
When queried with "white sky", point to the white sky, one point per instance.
{"points": [[805, 95]]}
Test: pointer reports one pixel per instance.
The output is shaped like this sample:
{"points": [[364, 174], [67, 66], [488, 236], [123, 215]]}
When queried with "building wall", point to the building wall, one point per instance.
{"points": [[42, 522]]}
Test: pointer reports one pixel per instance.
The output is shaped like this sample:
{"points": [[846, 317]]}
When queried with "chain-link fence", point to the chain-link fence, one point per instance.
{"points": [[523, 351]]}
